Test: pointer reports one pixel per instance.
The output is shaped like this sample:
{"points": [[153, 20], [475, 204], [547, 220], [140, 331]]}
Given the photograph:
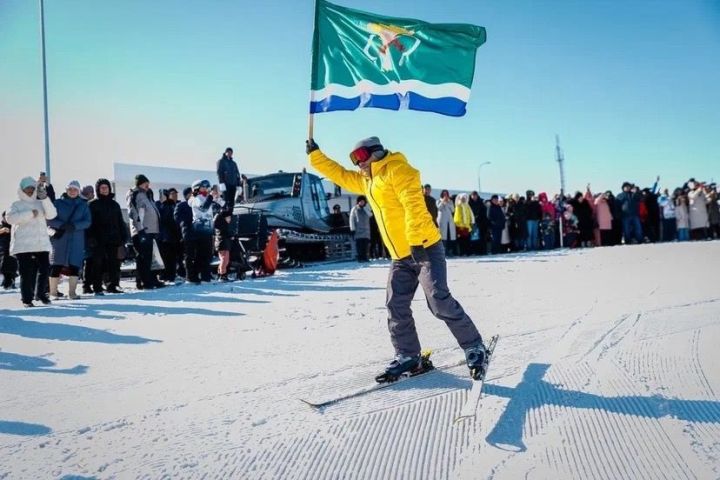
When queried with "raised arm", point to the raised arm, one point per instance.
{"points": [[333, 171]]}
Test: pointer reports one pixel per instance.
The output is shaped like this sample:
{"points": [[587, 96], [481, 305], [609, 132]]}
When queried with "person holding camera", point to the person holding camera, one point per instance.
{"points": [[697, 208], [29, 241], [199, 247]]}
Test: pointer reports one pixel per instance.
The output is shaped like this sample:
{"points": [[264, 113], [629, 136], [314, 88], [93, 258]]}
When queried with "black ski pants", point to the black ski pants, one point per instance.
{"points": [[143, 262], [104, 261], [169, 251], [34, 269], [198, 254]]}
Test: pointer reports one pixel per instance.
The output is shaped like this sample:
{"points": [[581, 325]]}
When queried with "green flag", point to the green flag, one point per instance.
{"points": [[361, 59]]}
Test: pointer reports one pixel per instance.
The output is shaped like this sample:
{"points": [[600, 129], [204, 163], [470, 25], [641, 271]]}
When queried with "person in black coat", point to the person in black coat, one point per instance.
{"points": [[651, 226], [518, 222], [183, 219], [430, 203], [170, 238], [477, 205], [8, 263], [616, 211], [534, 214], [107, 233], [584, 213], [496, 217], [628, 202], [229, 178], [223, 242]]}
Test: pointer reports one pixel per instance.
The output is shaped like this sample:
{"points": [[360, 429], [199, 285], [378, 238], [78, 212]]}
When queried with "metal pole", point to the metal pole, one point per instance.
{"points": [[45, 100], [560, 160], [479, 168]]}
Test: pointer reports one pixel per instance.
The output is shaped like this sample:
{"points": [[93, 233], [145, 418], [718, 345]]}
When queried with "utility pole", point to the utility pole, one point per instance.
{"points": [[480, 168], [45, 99], [561, 161]]}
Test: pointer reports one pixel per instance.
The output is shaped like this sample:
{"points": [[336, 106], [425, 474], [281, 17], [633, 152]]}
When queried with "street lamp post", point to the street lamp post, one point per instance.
{"points": [[479, 168], [45, 100]]}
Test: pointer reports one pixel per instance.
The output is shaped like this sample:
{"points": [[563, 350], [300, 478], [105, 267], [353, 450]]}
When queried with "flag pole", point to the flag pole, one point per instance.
{"points": [[313, 67], [45, 99]]}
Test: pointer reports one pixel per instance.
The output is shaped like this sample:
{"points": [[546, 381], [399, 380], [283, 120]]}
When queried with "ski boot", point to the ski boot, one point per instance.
{"points": [[477, 360], [405, 366]]}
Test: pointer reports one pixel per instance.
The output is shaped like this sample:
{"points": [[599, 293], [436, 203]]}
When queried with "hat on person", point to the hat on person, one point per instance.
{"points": [[87, 190], [370, 142], [27, 182], [102, 181], [170, 190], [73, 184], [140, 179], [187, 191], [198, 184]]}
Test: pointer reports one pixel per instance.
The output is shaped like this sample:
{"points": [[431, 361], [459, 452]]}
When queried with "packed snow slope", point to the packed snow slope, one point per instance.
{"points": [[608, 366]]}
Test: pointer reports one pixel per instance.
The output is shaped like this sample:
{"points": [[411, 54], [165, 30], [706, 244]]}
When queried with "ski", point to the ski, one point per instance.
{"points": [[379, 386], [471, 404]]}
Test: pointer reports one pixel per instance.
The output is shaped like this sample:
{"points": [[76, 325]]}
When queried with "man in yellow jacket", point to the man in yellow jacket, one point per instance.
{"points": [[394, 192]]}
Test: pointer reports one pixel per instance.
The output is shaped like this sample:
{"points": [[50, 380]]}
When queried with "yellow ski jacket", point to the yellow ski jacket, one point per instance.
{"points": [[463, 217], [394, 192]]}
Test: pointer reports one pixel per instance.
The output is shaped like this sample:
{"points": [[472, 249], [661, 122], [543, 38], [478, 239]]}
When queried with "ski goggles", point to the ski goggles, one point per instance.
{"points": [[363, 154]]}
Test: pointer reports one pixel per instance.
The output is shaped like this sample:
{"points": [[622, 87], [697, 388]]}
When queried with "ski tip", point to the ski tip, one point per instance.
{"points": [[312, 405]]}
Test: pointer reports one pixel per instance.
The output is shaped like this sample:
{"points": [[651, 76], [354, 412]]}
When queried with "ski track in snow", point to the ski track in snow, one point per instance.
{"points": [[595, 377]]}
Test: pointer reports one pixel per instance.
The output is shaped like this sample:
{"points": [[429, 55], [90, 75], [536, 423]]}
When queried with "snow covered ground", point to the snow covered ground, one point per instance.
{"points": [[608, 366]]}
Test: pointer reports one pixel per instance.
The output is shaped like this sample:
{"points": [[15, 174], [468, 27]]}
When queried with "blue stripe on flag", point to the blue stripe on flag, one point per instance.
{"points": [[450, 106]]}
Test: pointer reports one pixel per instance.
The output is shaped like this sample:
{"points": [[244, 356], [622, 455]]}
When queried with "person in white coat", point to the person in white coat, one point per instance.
{"points": [[682, 218], [445, 220], [697, 207], [29, 240]]}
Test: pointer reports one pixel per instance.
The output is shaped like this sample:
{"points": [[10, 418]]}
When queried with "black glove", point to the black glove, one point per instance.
{"points": [[418, 253], [310, 146]]}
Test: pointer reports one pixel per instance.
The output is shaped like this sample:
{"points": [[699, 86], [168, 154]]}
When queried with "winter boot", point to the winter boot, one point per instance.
{"points": [[72, 286], [53, 283], [399, 366], [477, 360]]}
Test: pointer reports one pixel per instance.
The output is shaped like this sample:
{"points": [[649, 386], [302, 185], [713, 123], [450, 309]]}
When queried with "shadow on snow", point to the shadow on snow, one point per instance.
{"points": [[22, 428], [17, 362], [60, 331], [533, 392]]}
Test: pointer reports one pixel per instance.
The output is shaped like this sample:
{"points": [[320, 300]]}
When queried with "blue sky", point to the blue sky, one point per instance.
{"points": [[631, 87]]}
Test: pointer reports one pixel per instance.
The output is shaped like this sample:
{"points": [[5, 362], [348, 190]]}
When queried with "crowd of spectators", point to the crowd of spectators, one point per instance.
{"points": [[82, 233], [471, 225]]}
